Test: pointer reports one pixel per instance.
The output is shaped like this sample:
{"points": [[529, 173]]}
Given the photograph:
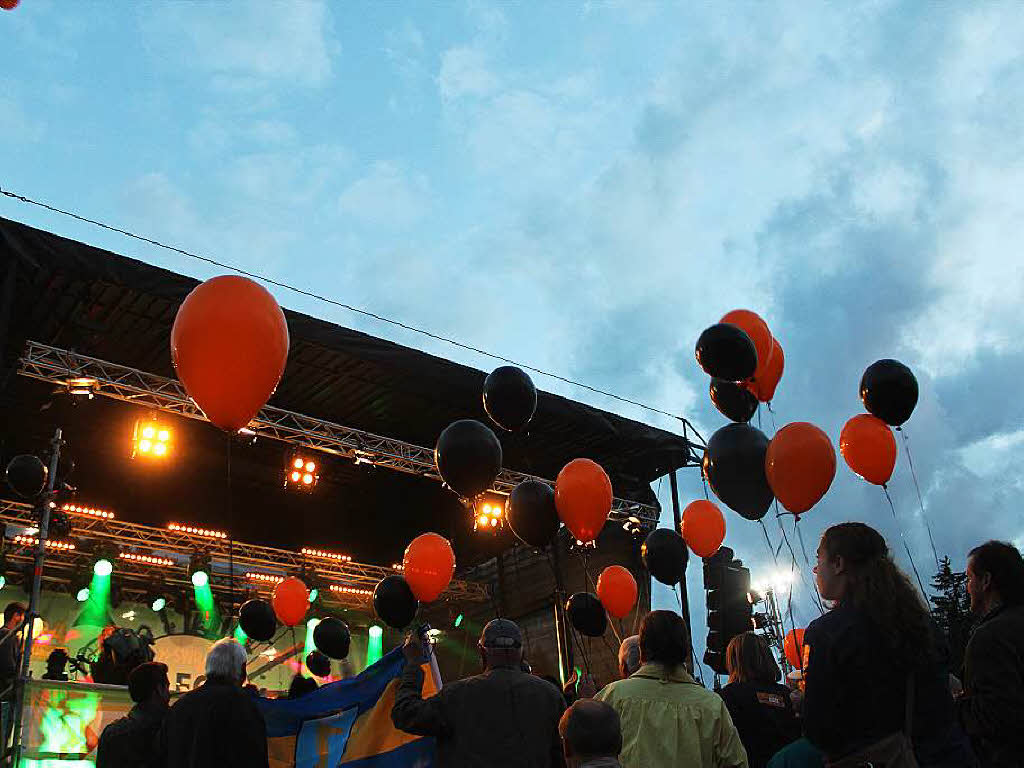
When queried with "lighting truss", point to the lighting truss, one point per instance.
{"points": [[179, 545], [57, 366]]}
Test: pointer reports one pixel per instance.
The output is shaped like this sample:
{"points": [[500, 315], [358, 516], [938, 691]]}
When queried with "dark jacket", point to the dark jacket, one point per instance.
{"points": [[10, 659], [503, 718], [856, 693], [215, 726], [131, 742], [992, 707], [764, 717]]}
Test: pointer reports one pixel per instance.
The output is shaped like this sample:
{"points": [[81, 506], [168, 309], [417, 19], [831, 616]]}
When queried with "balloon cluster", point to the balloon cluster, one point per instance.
{"points": [[428, 566]]}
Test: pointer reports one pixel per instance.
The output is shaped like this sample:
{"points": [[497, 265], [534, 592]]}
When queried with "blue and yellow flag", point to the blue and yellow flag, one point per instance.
{"points": [[347, 723]]}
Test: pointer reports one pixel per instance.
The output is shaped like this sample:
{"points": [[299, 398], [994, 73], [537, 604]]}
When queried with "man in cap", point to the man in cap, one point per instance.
{"points": [[501, 718]]}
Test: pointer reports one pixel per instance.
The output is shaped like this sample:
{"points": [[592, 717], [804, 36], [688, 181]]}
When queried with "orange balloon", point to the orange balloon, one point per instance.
{"points": [[793, 645], [757, 330], [800, 465], [229, 345], [290, 601], [703, 527], [428, 566], [767, 378], [869, 448], [583, 498], [616, 588]]}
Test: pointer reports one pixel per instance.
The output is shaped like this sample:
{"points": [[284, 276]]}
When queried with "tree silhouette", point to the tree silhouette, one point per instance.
{"points": [[952, 611]]}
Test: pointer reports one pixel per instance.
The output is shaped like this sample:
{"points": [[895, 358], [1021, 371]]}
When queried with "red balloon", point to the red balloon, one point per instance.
{"points": [[428, 566], [757, 330], [616, 588], [800, 464], [9, 5], [583, 498], [229, 344], [703, 527], [794, 647], [869, 448], [767, 378], [290, 601]]}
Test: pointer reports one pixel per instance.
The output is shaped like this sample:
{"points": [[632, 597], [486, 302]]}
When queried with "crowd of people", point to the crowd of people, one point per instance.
{"points": [[875, 690]]}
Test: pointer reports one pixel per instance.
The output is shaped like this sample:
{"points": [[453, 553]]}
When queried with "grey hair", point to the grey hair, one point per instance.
{"points": [[629, 654], [226, 659]]}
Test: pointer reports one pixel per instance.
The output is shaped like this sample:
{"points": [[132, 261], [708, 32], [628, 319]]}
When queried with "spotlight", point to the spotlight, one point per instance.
{"points": [[158, 604], [82, 386], [199, 569], [300, 473], [82, 595], [376, 632], [3, 581], [200, 578], [489, 513], [103, 567], [205, 532], [458, 621], [151, 439]]}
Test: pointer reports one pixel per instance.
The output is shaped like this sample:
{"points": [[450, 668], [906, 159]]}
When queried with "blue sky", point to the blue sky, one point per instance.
{"points": [[585, 186]]}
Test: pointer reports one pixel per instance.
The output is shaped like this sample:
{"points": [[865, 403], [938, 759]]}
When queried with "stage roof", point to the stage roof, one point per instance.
{"points": [[74, 296]]}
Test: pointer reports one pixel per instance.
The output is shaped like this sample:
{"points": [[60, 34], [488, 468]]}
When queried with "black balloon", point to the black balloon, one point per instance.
{"points": [[725, 351], [531, 513], [394, 602], [665, 554], [889, 391], [258, 620], [331, 637], [26, 474], [318, 664], [734, 467], [510, 398], [735, 401], [587, 614], [468, 456]]}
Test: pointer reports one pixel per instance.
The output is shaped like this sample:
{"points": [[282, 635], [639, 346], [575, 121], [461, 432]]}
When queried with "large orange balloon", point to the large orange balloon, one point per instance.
{"points": [[757, 330], [428, 566], [290, 601], [583, 498], [616, 588], [766, 378], [229, 345], [703, 527], [794, 647], [869, 448], [800, 465]]}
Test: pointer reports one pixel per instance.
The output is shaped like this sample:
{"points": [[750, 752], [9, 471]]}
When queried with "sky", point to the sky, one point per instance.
{"points": [[585, 186]]}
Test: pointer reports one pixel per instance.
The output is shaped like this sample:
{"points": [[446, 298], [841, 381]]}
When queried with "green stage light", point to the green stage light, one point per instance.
{"points": [[83, 595], [375, 647], [103, 567], [200, 579], [314, 593], [3, 581], [458, 621], [158, 605], [240, 636]]}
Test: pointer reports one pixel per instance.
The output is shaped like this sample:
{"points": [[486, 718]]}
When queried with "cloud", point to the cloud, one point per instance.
{"points": [[464, 72], [387, 195], [243, 48], [17, 126]]}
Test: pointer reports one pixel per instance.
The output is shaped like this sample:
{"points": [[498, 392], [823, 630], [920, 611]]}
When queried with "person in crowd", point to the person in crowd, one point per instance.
{"points": [[56, 663], [502, 717], [578, 687], [667, 718], [10, 665], [799, 754], [300, 686], [629, 656], [759, 705], [132, 740], [591, 735], [218, 725], [873, 650], [991, 707]]}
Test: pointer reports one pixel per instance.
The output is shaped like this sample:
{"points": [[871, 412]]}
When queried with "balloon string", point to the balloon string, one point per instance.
{"points": [[794, 568], [803, 548], [231, 535], [905, 547], [768, 541], [920, 499]]}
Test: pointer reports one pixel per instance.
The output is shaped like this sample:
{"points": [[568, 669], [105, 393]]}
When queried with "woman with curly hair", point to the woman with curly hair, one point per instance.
{"points": [[876, 647]]}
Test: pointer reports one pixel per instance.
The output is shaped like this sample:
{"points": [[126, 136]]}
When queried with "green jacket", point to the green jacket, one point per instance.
{"points": [[670, 720]]}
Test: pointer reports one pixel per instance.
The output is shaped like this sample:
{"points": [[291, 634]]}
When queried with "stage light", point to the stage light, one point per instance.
{"points": [[351, 591], [159, 604], [3, 581], [82, 386], [82, 595], [458, 621], [147, 559], [375, 645], [376, 632], [32, 541], [151, 439], [265, 578], [200, 579], [103, 567], [300, 473], [78, 509], [489, 513], [205, 532], [313, 595], [325, 555]]}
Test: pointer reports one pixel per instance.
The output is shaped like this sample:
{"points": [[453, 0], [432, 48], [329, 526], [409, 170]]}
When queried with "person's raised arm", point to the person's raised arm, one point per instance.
{"points": [[411, 712]]}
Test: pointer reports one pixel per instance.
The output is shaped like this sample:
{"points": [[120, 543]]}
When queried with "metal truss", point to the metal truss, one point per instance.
{"points": [[111, 537], [57, 366]]}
